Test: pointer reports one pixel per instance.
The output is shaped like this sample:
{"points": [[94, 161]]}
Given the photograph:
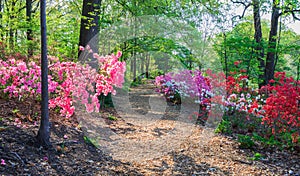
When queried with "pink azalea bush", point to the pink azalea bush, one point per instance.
{"points": [[69, 82]]}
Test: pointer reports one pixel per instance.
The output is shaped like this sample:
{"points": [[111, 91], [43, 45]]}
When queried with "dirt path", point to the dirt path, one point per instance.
{"points": [[149, 127], [149, 138], [160, 139]]}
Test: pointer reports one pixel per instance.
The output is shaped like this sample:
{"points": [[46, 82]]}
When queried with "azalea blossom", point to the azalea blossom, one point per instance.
{"points": [[3, 162]]}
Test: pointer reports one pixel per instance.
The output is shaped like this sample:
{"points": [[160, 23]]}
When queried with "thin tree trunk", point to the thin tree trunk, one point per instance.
{"points": [[43, 136], [11, 30], [225, 55], [258, 38], [278, 43], [134, 46], [147, 65], [270, 62], [29, 30], [142, 63], [1, 22], [298, 69], [134, 67]]}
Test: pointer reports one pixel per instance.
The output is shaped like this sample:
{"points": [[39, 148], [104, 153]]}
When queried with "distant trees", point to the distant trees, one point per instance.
{"points": [[278, 9]]}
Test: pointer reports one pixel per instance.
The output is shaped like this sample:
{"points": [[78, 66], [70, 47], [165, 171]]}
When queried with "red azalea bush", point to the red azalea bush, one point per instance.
{"points": [[276, 106], [281, 110]]}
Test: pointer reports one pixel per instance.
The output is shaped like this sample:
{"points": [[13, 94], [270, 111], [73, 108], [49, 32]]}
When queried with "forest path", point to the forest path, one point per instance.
{"points": [[161, 139], [139, 143], [149, 127]]}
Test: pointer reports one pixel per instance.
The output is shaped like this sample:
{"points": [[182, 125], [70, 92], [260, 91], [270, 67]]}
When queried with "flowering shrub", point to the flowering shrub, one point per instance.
{"points": [[276, 106], [242, 97], [186, 83], [69, 82], [21, 80], [281, 110]]}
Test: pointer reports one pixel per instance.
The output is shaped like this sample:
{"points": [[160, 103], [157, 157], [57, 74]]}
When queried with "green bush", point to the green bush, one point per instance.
{"points": [[245, 141], [224, 127]]}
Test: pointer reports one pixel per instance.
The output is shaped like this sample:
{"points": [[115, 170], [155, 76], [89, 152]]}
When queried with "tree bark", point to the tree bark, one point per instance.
{"points": [[11, 30], [225, 55], [134, 66], [142, 63], [1, 26], [29, 30], [270, 62], [43, 136], [298, 69], [258, 39], [147, 65], [89, 26]]}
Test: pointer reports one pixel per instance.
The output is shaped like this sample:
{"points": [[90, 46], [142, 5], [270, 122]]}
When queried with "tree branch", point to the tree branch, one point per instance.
{"points": [[123, 4], [36, 7], [294, 15], [77, 6], [246, 6], [293, 12], [239, 2]]}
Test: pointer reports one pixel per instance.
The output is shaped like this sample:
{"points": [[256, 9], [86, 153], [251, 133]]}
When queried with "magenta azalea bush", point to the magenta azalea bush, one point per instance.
{"points": [[69, 82], [186, 83]]}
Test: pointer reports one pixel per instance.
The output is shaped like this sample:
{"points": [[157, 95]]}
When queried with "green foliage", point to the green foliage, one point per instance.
{"points": [[135, 84], [239, 45], [224, 127], [271, 141], [15, 111], [90, 141], [245, 141], [155, 73], [113, 118], [256, 157]]}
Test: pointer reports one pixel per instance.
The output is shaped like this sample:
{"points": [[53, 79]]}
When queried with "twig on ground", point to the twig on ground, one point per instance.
{"points": [[17, 156]]}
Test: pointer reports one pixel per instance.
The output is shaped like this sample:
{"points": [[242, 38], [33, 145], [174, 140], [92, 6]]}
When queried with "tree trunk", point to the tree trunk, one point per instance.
{"points": [[11, 30], [43, 136], [29, 30], [142, 63], [298, 69], [225, 55], [147, 65], [258, 39], [270, 62], [89, 26], [134, 67], [1, 23]]}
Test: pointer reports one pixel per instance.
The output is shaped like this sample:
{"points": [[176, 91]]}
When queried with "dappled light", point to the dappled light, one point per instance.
{"points": [[93, 87]]}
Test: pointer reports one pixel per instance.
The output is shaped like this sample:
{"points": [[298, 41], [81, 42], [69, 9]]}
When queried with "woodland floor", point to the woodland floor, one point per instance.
{"points": [[72, 155]]}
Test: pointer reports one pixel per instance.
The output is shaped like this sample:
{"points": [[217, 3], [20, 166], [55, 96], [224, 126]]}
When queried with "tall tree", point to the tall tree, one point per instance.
{"points": [[89, 26], [279, 8], [43, 136], [29, 30], [1, 19], [11, 8], [259, 50]]}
